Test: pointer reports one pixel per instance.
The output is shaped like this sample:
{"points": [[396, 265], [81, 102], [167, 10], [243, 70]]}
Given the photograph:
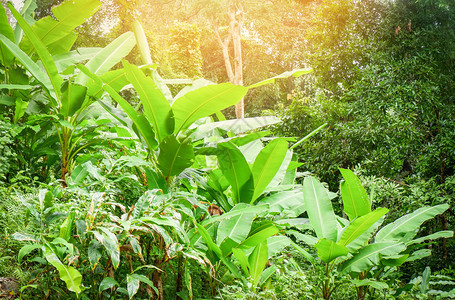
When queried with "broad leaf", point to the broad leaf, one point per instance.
{"points": [[70, 14], [109, 56], [267, 164], [236, 228], [259, 235], [175, 156], [355, 199], [235, 168], [360, 226], [257, 261], [107, 283], [213, 247], [370, 255], [156, 107], [94, 253], [25, 250], [73, 96], [42, 52], [19, 110], [203, 102], [29, 64], [329, 250], [287, 200], [69, 275], [133, 280], [143, 127], [410, 223], [110, 243], [368, 282], [243, 260], [277, 243], [440, 234], [6, 57], [319, 209], [63, 61], [257, 209], [235, 126]]}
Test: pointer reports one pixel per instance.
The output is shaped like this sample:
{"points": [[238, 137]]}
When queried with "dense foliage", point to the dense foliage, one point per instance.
{"points": [[117, 183]]}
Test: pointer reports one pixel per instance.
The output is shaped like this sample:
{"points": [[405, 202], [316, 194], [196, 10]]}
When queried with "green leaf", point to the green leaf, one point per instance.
{"points": [[73, 96], [243, 260], [25, 250], [29, 64], [20, 108], [236, 170], [267, 164], [28, 12], [42, 52], [235, 126], [67, 227], [329, 250], [360, 226], [69, 275], [277, 243], [175, 156], [355, 199], [257, 261], [145, 131], [293, 73], [203, 102], [425, 284], [70, 14], [257, 209], [287, 200], [107, 283], [440, 234], [109, 56], [410, 223], [110, 242], [156, 107], [419, 254], [94, 253], [63, 45], [24, 237], [303, 252], [214, 247], [236, 229], [369, 282], [6, 57], [395, 261], [370, 255], [133, 280], [266, 274], [259, 235], [319, 209], [71, 58]]}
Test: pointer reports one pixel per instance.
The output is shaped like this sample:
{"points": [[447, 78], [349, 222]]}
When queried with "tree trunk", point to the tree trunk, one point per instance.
{"points": [[235, 74], [236, 16]]}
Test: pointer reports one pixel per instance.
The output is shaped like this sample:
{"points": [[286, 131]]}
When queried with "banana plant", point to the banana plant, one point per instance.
{"points": [[163, 124], [67, 95], [239, 236], [347, 247]]}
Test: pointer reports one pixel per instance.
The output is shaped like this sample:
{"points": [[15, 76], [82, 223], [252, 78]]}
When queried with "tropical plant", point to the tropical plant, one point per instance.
{"points": [[49, 41], [355, 246], [94, 250]]}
